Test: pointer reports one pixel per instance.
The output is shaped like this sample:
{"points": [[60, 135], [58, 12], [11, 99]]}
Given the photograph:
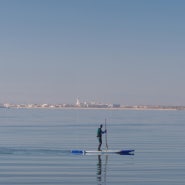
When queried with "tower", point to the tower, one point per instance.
{"points": [[77, 102]]}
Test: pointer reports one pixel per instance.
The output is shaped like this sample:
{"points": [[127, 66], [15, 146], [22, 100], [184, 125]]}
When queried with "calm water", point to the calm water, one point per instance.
{"points": [[35, 147]]}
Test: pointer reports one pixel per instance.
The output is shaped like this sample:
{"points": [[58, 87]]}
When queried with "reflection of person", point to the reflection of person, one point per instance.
{"points": [[99, 136], [99, 169]]}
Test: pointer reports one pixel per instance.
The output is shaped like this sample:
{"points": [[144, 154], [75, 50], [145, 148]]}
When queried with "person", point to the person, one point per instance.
{"points": [[99, 136]]}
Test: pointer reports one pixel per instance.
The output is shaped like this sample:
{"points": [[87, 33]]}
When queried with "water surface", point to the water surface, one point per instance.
{"points": [[35, 147]]}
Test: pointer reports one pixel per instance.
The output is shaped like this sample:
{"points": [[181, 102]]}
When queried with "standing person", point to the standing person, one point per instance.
{"points": [[99, 136]]}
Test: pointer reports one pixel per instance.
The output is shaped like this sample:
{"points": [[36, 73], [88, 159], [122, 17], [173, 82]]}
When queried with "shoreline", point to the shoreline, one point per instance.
{"points": [[96, 108]]}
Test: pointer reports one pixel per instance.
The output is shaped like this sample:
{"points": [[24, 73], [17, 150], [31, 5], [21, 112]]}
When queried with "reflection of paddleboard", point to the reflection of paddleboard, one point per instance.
{"points": [[95, 152]]}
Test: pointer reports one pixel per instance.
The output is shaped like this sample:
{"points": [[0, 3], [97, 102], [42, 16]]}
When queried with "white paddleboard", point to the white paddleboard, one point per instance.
{"points": [[96, 152]]}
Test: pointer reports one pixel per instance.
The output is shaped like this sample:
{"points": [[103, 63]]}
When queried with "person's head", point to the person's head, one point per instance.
{"points": [[101, 126]]}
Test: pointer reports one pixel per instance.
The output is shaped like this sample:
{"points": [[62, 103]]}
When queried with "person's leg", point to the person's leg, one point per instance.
{"points": [[100, 143]]}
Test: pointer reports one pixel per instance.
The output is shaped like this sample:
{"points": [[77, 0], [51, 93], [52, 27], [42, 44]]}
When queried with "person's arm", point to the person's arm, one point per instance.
{"points": [[103, 132]]}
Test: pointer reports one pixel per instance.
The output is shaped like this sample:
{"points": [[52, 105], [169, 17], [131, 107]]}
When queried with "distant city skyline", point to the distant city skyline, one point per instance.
{"points": [[91, 105], [129, 52]]}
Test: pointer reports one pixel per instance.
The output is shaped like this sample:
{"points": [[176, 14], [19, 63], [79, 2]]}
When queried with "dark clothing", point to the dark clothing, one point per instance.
{"points": [[99, 132], [99, 136], [100, 143]]}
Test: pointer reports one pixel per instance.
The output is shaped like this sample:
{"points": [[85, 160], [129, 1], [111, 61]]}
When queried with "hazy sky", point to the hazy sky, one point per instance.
{"points": [[110, 51]]}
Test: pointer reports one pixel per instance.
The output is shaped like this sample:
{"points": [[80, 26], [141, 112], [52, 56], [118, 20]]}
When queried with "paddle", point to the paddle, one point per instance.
{"points": [[106, 134]]}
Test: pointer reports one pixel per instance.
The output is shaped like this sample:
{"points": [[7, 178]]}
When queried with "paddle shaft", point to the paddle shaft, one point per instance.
{"points": [[106, 134]]}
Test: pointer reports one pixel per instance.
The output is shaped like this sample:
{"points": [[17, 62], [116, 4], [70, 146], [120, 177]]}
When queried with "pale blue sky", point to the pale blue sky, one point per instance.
{"points": [[111, 51]]}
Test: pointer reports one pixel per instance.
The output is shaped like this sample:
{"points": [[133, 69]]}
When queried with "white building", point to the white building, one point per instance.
{"points": [[77, 102]]}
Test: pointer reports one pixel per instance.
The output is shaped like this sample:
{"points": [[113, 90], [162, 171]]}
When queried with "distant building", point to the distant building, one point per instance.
{"points": [[77, 102], [116, 105]]}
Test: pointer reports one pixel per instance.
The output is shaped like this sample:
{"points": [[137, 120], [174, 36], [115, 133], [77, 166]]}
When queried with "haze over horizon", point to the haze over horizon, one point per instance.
{"points": [[129, 52]]}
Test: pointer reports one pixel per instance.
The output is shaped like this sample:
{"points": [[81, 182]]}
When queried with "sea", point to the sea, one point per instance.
{"points": [[36, 144]]}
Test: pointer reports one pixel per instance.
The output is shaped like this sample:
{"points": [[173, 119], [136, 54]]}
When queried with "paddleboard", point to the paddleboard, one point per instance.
{"points": [[96, 152]]}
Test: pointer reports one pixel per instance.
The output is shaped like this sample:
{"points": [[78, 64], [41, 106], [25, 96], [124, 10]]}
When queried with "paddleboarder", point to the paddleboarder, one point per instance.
{"points": [[99, 136]]}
